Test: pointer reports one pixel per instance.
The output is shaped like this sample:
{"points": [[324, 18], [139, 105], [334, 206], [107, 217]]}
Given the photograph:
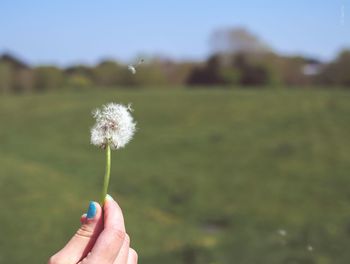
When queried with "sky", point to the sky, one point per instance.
{"points": [[69, 32]]}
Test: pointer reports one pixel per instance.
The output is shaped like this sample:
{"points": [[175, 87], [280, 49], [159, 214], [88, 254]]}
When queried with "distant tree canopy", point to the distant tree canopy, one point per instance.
{"points": [[15, 76], [236, 40], [338, 71], [237, 69], [239, 58]]}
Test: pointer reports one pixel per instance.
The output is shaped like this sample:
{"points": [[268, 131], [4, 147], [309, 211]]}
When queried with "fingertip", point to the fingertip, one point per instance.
{"points": [[111, 204], [83, 218], [113, 213], [94, 212], [98, 207], [113, 236], [133, 256], [109, 197]]}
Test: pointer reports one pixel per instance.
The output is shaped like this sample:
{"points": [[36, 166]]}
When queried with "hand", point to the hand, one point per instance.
{"points": [[99, 240]]}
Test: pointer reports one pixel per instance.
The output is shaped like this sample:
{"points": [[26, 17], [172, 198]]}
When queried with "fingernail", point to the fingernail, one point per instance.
{"points": [[108, 197], [91, 211]]}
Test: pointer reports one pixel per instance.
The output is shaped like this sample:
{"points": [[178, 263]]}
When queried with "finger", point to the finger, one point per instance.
{"points": [[132, 257], [112, 237], [84, 239], [83, 218], [122, 257]]}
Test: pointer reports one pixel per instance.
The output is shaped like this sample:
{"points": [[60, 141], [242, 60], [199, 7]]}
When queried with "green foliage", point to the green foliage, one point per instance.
{"points": [[209, 74], [210, 177], [24, 81], [79, 82], [249, 66], [108, 73], [231, 76], [6, 77], [237, 69], [291, 69], [15, 76], [48, 77], [150, 75], [338, 72]]}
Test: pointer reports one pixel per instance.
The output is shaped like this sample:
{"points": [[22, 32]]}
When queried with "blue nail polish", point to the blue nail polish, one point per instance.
{"points": [[91, 211]]}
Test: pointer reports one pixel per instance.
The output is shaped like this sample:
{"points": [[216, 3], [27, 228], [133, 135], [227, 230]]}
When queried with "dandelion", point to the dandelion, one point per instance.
{"points": [[113, 129]]}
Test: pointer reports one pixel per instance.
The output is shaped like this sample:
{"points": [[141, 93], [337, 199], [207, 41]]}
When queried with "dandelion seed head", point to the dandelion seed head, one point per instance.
{"points": [[114, 126]]}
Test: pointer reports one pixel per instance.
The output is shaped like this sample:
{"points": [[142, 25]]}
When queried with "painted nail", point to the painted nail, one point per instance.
{"points": [[108, 197], [91, 211]]}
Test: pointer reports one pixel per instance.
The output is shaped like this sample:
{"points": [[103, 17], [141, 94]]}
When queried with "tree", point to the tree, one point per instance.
{"points": [[6, 77], [15, 75], [338, 71], [108, 73], [209, 74], [47, 78], [236, 40]]}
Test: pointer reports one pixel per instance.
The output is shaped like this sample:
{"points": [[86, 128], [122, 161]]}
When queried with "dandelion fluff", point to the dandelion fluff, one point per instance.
{"points": [[310, 248], [282, 232], [132, 69], [114, 126]]}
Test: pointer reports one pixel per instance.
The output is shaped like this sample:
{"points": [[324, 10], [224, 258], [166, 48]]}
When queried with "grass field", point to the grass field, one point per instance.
{"points": [[211, 176]]}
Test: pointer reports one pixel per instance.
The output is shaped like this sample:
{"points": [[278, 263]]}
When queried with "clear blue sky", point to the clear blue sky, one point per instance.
{"points": [[66, 32]]}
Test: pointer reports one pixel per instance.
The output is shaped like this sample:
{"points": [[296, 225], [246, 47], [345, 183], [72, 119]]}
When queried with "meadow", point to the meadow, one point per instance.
{"points": [[212, 176]]}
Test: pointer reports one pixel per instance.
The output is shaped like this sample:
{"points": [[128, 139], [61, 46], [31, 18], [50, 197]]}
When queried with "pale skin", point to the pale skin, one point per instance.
{"points": [[100, 240]]}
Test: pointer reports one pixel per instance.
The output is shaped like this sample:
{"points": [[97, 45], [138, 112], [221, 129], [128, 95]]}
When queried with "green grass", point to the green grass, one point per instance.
{"points": [[210, 177]]}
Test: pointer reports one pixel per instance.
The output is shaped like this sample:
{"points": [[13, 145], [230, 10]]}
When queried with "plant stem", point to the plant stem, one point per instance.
{"points": [[107, 174]]}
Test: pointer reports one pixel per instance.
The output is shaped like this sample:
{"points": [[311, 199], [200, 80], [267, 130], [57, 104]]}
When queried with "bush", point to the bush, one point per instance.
{"points": [[48, 77]]}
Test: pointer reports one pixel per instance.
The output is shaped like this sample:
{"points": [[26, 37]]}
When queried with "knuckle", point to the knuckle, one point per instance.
{"points": [[84, 231], [127, 238], [116, 233]]}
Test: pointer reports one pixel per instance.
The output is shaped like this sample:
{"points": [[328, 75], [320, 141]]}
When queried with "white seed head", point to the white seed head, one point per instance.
{"points": [[114, 126]]}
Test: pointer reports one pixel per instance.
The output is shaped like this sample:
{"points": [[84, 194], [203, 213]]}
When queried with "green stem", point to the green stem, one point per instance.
{"points": [[107, 174]]}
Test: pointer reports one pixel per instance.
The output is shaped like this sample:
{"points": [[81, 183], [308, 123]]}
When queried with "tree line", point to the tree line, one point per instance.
{"points": [[238, 59]]}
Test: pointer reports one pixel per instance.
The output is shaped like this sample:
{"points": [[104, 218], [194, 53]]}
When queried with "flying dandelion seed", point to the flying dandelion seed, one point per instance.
{"points": [[132, 68], [282, 232], [310, 248]]}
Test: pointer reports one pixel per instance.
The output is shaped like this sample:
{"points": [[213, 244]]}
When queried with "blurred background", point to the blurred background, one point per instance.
{"points": [[242, 153]]}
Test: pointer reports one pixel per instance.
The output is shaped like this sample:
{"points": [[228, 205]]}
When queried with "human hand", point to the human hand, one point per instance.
{"points": [[101, 239]]}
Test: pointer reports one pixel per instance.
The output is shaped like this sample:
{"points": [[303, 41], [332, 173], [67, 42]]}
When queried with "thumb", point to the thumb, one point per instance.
{"points": [[84, 239]]}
